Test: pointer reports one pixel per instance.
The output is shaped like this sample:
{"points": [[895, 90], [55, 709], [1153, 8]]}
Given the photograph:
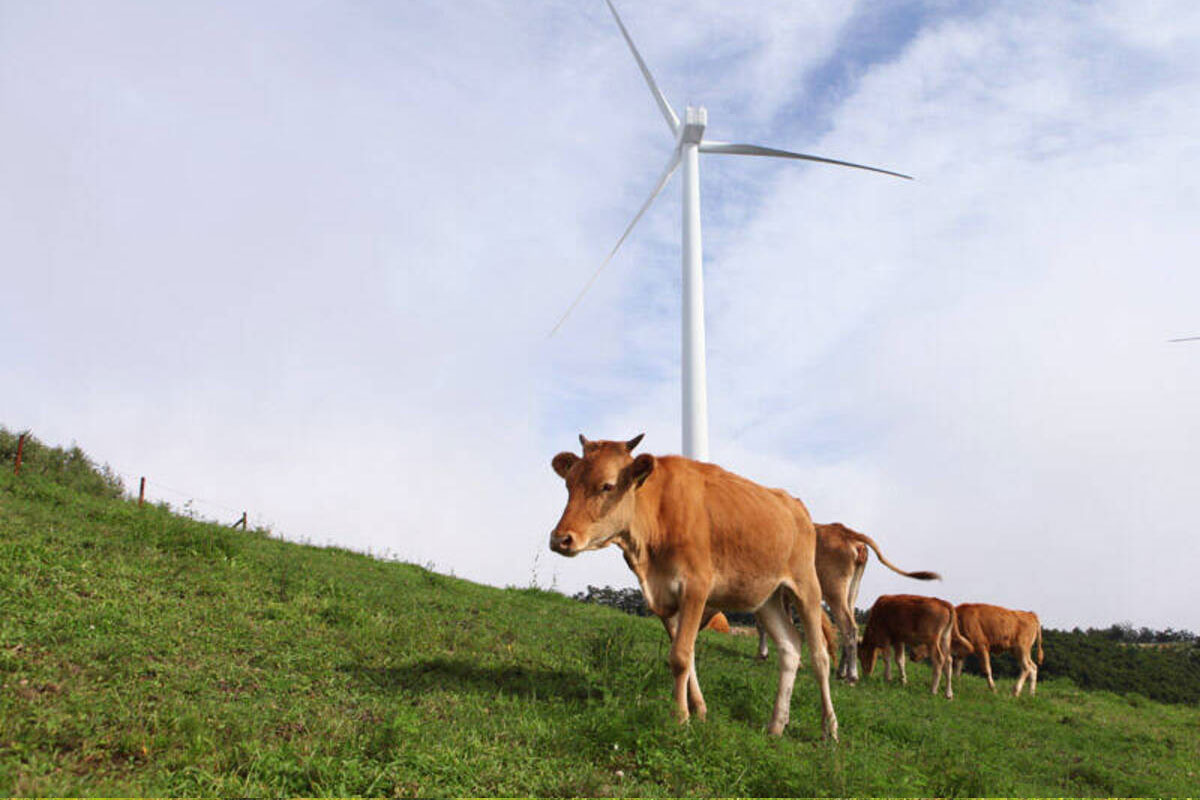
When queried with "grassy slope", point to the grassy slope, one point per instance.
{"points": [[142, 653]]}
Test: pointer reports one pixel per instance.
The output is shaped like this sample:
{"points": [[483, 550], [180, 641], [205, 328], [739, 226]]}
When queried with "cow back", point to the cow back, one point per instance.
{"points": [[906, 618], [748, 537], [988, 625]]}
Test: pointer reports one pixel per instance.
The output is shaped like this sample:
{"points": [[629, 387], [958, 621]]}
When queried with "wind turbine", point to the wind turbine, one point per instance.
{"points": [[689, 143]]}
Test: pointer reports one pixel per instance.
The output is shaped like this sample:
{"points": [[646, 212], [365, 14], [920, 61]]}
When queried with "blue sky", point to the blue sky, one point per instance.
{"points": [[302, 259]]}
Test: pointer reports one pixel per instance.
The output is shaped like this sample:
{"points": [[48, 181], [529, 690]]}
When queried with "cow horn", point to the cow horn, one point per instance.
{"points": [[632, 443], [584, 443]]}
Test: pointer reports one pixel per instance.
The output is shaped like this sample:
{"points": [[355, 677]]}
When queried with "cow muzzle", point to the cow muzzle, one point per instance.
{"points": [[564, 542]]}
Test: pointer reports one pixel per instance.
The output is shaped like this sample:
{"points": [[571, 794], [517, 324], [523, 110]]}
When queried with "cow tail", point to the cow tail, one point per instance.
{"points": [[922, 575], [1039, 641], [958, 638]]}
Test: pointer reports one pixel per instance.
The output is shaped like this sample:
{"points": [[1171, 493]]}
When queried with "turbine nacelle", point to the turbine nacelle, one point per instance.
{"points": [[695, 120]]}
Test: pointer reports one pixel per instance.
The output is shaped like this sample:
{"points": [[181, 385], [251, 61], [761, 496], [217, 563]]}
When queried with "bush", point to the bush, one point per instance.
{"points": [[1165, 667], [69, 467]]}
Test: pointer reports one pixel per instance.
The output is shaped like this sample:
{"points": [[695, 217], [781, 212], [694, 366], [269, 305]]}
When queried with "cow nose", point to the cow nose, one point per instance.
{"points": [[562, 542]]}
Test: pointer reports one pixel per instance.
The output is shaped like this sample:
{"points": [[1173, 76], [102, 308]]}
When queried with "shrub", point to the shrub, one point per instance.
{"points": [[69, 467]]}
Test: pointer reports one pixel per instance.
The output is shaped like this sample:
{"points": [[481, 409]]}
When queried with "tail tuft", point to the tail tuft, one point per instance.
{"points": [[924, 575]]}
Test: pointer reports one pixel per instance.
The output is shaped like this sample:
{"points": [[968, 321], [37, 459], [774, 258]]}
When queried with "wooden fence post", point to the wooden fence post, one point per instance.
{"points": [[241, 522], [20, 452], [142, 492]]}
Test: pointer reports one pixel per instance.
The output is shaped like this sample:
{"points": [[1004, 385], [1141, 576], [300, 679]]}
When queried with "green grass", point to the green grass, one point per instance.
{"points": [[142, 653]]}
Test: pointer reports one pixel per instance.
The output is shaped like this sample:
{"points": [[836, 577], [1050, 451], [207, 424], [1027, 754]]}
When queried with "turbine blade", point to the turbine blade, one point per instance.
{"points": [[1186, 339], [663, 105], [755, 150], [672, 165]]}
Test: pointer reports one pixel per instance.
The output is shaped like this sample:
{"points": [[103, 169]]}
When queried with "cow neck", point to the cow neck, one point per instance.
{"points": [[645, 531]]}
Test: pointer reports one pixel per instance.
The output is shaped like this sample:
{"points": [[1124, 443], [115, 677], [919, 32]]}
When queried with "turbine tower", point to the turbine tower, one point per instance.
{"points": [[689, 143]]}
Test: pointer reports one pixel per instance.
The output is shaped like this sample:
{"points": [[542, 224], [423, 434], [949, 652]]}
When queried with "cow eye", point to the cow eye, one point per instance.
{"points": [[608, 487]]}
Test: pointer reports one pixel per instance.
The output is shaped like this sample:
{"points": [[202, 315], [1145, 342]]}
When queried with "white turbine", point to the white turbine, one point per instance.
{"points": [[689, 143]]}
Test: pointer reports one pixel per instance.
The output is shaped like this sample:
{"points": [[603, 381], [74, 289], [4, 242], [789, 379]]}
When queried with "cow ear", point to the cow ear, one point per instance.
{"points": [[563, 462], [637, 472], [632, 443]]}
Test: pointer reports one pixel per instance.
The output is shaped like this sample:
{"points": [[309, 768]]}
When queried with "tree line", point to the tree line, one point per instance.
{"points": [[1163, 664]]}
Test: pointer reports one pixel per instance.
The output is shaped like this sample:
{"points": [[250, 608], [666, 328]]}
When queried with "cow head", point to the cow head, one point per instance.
{"points": [[866, 658], [600, 493]]}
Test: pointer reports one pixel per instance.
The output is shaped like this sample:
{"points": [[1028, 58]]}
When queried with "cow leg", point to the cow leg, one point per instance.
{"points": [[682, 656], [790, 612], [982, 652], [899, 647], [1033, 671], [844, 617], [887, 664], [762, 641], [1027, 670], [937, 661], [808, 597], [958, 666], [851, 601], [949, 671], [777, 623], [943, 661], [695, 698]]}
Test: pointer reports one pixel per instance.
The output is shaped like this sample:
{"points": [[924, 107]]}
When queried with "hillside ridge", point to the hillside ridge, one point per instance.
{"points": [[145, 653]]}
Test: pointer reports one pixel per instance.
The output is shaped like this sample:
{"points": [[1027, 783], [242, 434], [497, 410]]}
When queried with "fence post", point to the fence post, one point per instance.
{"points": [[243, 520], [142, 492], [20, 451]]}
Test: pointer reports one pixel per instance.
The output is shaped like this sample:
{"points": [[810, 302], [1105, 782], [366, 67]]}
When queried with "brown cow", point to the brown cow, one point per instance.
{"points": [[987, 629], [899, 619], [700, 540], [841, 559]]}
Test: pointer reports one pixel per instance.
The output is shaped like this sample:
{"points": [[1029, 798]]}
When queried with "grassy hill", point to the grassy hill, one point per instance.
{"points": [[146, 653]]}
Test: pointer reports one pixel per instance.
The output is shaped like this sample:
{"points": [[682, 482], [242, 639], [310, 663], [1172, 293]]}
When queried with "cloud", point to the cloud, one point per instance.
{"points": [[981, 358]]}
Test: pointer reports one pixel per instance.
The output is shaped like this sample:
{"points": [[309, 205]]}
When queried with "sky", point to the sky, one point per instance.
{"points": [[303, 258]]}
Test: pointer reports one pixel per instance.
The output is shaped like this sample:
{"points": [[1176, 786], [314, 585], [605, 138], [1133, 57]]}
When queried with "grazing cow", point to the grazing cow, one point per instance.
{"points": [[700, 540], [841, 559], [987, 629], [899, 619]]}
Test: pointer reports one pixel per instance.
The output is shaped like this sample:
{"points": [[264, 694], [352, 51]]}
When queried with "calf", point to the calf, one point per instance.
{"points": [[700, 540], [841, 559], [899, 619], [987, 629]]}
